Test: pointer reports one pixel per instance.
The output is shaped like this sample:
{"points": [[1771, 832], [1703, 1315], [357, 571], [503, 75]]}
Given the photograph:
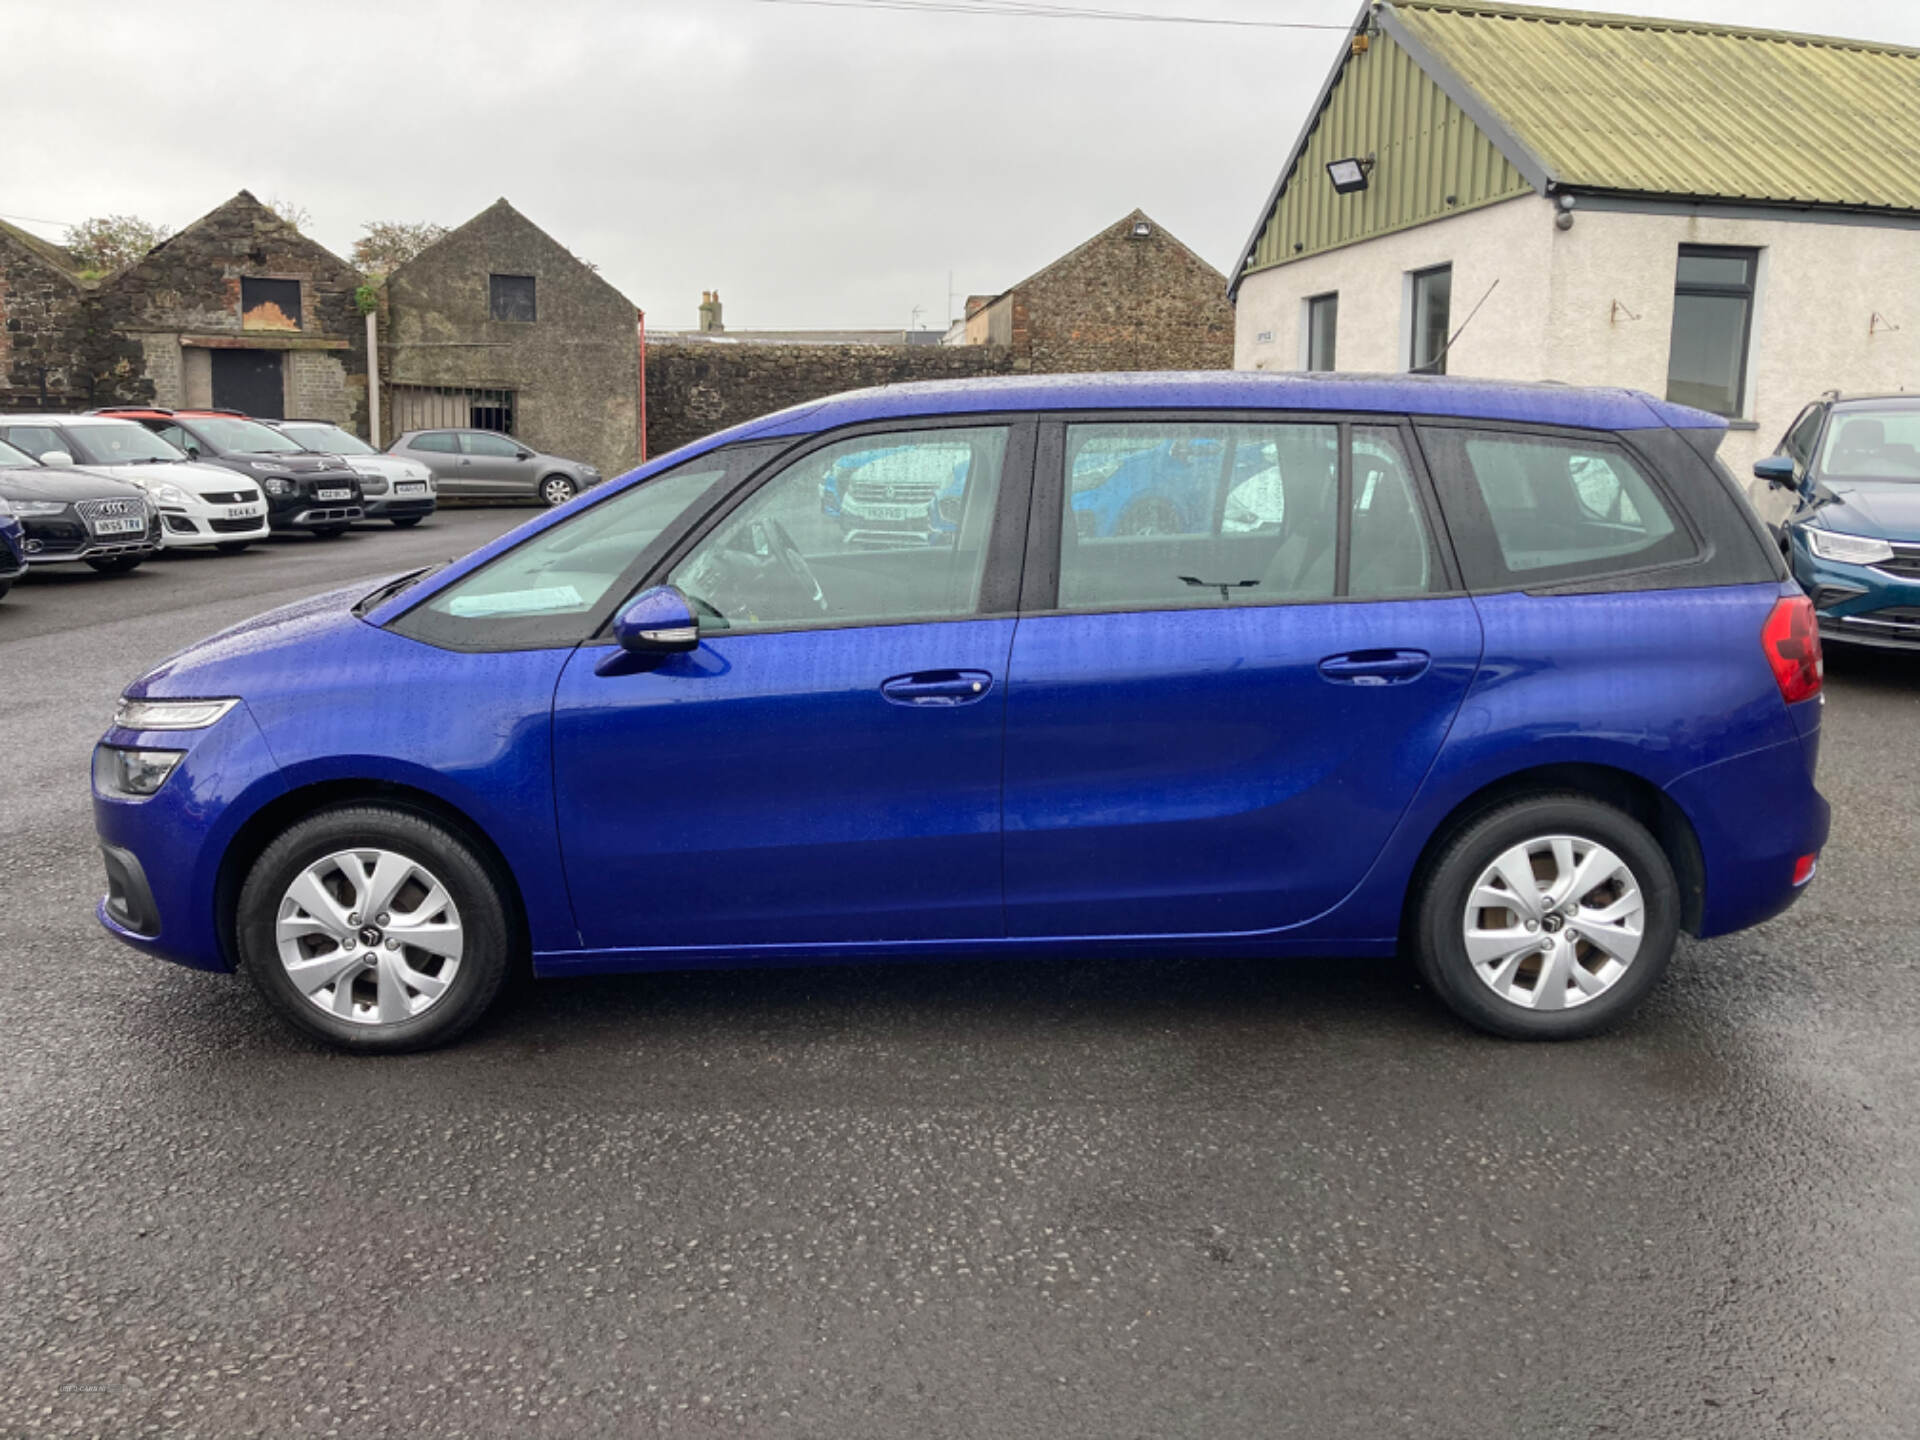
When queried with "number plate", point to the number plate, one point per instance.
{"points": [[410, 487], [891, 512], [333, 492], [241, 512], [121, 525]]}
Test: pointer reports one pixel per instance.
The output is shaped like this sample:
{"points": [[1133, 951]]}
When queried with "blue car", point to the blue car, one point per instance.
{"points": [[1852, 465], [1171, 487], [1512, 680], [13, 545]]}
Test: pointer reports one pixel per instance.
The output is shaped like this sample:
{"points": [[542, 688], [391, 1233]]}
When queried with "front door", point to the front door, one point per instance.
{"points": [[826, 768], [492, 464], [251, 381], [1216, 721]]}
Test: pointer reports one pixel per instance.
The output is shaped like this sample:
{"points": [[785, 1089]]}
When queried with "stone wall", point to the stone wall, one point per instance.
{"points": [[1121, 301], [57, 351], [573, 370], [697, 387]]}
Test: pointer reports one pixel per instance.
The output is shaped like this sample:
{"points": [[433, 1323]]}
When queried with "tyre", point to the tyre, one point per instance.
{"points": [[557, 490], [405, 522], [232, 547], [329, 532], [118, 564], [378, 930], [5, 586], [1548, 918]]}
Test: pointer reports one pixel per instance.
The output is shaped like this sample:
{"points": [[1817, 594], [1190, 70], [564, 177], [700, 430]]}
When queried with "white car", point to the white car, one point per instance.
{"points": [[394, 489], [198, 504]]}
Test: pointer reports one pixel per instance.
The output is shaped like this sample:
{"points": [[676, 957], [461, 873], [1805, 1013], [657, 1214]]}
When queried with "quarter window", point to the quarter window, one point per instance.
{"points": [[1536, 509], [1712, 325], [881, 528], [1432, 299], [1323, 322]]}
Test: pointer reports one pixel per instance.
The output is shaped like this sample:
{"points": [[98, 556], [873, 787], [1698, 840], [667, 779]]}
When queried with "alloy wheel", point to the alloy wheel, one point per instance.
{"points": [[1554, 922], [370, 936]]}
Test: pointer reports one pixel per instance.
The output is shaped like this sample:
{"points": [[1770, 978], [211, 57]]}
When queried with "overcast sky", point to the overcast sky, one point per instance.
{"points": [[819, 166]]}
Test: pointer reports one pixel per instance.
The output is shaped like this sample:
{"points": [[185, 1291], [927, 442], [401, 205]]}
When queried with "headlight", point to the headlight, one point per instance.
{"points": [[6, 506], [265, 467], [1848, 549], [38, 507], [169, 714], [132, 772], [171, 495], [279, 485]]}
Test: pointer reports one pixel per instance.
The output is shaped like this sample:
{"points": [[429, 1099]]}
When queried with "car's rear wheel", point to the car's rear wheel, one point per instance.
{"points": [[378, 930], [232, 547], [118, 565], [557, 489], [5, 586], [1548, 918]]}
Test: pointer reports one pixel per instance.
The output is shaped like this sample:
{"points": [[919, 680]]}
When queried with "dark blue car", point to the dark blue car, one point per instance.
{"points": [[1852, 466], [1510, 678]]}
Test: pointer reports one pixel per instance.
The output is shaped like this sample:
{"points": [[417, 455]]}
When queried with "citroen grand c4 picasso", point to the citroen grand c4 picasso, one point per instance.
{"points": [[1507, 678]]}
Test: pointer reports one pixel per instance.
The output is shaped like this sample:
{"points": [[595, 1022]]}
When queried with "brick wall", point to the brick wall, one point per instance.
{"points": [[695, 388], [317, 386], [56, 349]]}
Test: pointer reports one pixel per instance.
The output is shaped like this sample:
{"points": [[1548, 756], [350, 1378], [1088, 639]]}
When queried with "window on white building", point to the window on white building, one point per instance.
{"points": [[1430, 296], [1323, 321], [1712, 327]]}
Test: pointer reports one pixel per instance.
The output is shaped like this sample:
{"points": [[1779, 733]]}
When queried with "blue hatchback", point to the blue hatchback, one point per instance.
{"points": [[1852, 465], [1509, 678]]}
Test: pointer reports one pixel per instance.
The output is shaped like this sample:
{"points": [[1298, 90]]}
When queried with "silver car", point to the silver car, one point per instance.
{"points": [[484, 464]]}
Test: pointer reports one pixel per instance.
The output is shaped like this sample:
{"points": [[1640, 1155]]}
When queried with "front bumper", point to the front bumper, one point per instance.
{"points": [[381, 507], [212, 525], [67, 539]]}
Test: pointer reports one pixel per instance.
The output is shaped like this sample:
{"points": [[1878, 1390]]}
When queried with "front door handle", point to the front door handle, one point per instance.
{"points": [[1375, 667], [938, 687]]}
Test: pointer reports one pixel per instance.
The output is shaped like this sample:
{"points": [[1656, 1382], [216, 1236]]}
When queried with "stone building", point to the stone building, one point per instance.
{"points": [[56, 351], [498, 326], [1724, 216], [241, 310], [1131, 298]]}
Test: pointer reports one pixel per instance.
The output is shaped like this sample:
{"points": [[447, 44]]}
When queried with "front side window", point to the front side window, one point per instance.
{"points": [[12, 458], [36, 440], [1798, 444], [1432, 299], [881, 528], [246, 437], [1537, 509], [490, 445], [554, 588], [1872, 445], [1712, 324], [1323, 321], [510, 297], [1166, 515]]}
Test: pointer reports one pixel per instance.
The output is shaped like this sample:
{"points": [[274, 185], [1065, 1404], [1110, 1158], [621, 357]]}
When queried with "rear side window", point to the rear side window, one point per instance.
{"points": [[440, 442], [1540, 509]]}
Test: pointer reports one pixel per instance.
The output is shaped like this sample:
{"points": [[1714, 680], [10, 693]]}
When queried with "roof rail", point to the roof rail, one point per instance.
{"points": [[122, 409]]}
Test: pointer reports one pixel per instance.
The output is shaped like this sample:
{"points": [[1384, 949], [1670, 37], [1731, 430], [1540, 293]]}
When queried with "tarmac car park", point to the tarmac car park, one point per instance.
{"points": [[200, 505]]}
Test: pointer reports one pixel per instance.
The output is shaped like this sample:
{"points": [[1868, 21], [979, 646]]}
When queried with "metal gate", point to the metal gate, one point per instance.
{"points": [[446, 407]]}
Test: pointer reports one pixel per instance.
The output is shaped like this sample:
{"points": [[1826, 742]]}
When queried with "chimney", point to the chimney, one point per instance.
{"points": [[710, 313]]}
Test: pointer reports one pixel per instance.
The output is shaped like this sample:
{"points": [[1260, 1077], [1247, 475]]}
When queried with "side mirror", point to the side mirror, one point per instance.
{"points": [[659, 621], [1776, 470], [60, 459], [523, 454]]}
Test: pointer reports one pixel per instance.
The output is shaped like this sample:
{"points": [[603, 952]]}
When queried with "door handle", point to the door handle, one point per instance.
{"points": [[938, 687], [1375, 667]]}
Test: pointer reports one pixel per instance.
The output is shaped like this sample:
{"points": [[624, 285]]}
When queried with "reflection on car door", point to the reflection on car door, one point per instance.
{"points": [[826, 768], [1216, 733]]}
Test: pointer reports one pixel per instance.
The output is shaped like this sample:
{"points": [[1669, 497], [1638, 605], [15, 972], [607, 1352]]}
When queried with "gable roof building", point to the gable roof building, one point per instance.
{"points": [[1714, 213]]}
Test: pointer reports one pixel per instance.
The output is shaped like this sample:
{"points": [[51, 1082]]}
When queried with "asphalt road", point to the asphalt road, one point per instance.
{"points": [[1076, 1199]]}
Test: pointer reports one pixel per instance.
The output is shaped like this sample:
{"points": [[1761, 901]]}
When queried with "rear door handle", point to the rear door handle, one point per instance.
{"points": [[938, 687], [1375, 667]]}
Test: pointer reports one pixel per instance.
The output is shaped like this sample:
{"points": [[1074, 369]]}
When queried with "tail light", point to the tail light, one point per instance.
{"points": [[1792, 642]]}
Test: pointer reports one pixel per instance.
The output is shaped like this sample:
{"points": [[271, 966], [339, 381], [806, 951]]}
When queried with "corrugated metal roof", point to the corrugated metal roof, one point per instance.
{"points": [[1681, 108]]}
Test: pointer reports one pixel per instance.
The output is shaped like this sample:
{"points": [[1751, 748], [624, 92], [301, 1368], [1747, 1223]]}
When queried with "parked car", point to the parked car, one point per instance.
{"points": [[395, 489], [1531, 744], [13, 543], [484, 464], [71, 516], [888, 498], [199, 505], [305, 490], [1852, 464]]}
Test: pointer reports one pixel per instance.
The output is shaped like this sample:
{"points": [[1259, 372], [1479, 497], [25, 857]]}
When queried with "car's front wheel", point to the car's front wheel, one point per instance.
{"points": [[233, 547], [379, 930], [406, 522], [118, 565], [1548, 918], [557, 489]]}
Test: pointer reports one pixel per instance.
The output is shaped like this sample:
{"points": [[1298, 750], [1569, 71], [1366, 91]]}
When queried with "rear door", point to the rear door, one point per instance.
{"points": [[1214, 730]]}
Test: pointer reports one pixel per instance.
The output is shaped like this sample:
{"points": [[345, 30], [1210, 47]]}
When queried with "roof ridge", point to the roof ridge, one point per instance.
{"points": [[1621, 20]]}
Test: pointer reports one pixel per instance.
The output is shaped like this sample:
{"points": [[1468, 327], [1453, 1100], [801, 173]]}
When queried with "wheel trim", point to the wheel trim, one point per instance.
{"points": [[369, 936], [557, 491], [1554, 922]]}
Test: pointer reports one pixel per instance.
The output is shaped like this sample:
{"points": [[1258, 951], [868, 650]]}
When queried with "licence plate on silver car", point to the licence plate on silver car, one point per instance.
{"points": [[410, 487], [122, 525], [333, 492]]}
